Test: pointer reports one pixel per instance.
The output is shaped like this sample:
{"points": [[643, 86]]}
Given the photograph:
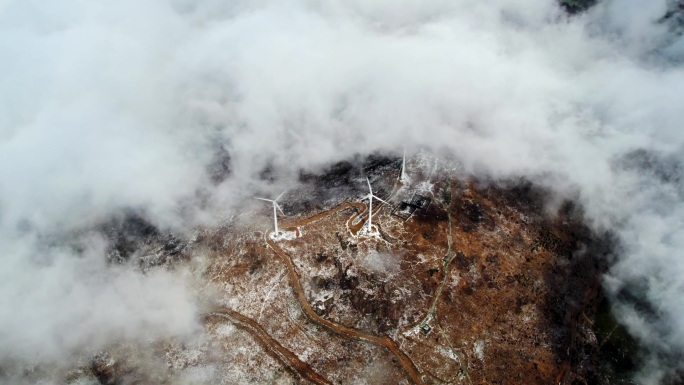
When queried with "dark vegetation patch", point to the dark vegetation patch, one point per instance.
{"points": [[463, 262], [674, 16], [469, 214], [134, 239], [330, 185], [431, 215], [662, 168], [577, 6], [618, 351], [257, 261], [520, 194], [219, 169], [268, 173], [377, 307], [127, 235], [323, 283], [344, 279], [108, 371], [575, 290], [623, 353]]}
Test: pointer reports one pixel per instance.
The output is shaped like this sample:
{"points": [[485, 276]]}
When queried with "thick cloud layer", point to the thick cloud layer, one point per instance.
{"points": [[109, 106]]}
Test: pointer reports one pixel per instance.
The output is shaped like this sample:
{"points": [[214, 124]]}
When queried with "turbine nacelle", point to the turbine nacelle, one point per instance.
{"points": [[370, 197], [275, 206], [370, 194], [272, 201]]}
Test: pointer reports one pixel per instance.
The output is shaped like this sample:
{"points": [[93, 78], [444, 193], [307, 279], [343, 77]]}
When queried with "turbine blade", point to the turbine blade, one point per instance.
{"points": [[380, 200], [369, 186], [280, 196], [278, 206], [263, 199]]}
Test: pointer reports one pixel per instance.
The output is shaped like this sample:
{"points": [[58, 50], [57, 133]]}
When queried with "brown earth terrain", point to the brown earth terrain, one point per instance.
{"points": [[482, 283]]}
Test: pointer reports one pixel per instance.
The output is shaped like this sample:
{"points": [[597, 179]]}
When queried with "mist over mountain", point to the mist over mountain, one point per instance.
{"points": [[175, 112]]}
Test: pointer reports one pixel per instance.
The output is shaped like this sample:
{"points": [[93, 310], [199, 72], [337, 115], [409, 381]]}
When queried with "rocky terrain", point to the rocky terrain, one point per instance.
{"points": [[462, 281]]}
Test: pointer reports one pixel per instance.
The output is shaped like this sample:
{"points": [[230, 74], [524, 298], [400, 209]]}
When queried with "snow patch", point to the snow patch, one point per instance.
{"points": [[283, 236], [479, 350], [386, 263], [426, 186], [225, 329]]}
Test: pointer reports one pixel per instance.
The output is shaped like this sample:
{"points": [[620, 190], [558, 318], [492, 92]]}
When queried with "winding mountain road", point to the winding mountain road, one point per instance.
{"points": [[284, 355], [383, 341], [273, 347]]}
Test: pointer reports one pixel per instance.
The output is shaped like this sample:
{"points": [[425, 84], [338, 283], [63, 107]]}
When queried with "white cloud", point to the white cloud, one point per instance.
{"points": [[55, 304], [106, 106]]}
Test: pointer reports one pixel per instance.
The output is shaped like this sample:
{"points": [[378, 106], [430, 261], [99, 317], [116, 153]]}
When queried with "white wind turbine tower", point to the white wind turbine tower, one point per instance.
{"points": [[370, 197], [275, 205], [402, 177]]}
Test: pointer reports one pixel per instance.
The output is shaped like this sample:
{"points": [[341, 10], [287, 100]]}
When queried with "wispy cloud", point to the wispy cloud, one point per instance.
{"points": [[115, 106]]}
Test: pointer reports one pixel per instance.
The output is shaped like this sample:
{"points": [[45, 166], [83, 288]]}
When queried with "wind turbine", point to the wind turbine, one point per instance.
{"points": [[275, 205], [402, 177], [370, 197]]}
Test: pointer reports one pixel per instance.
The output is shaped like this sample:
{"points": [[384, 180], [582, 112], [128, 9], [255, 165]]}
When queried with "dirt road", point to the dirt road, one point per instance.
{"points": [[273, 347], [384, 341]]}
